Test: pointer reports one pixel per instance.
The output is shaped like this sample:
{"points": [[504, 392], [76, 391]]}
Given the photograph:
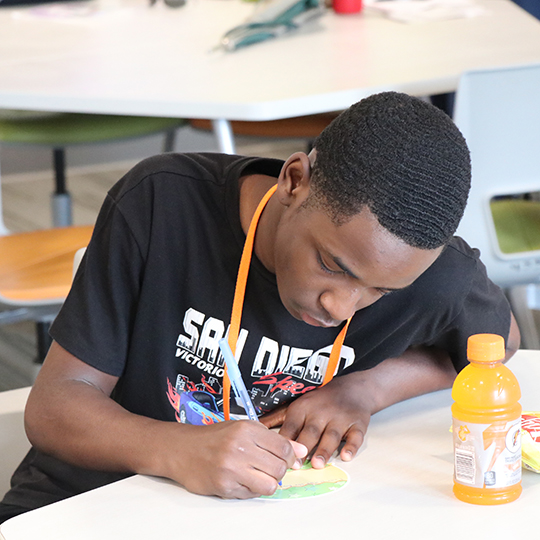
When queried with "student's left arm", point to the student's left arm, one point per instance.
{"points": [[341, 410]]}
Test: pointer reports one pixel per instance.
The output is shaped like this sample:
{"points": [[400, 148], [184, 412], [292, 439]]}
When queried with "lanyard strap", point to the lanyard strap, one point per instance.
{"points": [[238, 304]]}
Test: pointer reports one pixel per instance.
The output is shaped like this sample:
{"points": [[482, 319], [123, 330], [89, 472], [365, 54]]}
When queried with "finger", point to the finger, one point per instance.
{"points": [[278, 448], [261, 465], [353, 442], [292, 424], [260, 483], [254, 487], [300, 451], [274, 418], [265, 473], [310, 435], [328, 443]]}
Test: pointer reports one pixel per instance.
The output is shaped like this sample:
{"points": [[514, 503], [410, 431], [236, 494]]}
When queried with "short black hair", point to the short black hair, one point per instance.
{"points": [[399, 156]]}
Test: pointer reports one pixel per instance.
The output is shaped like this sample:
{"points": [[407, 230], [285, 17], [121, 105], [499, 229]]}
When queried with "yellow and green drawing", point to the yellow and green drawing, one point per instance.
{"points": [[310, 482]]}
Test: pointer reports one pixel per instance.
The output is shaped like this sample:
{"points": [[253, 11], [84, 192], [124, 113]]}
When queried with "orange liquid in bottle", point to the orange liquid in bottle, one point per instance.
{"points": [[487, 426]]}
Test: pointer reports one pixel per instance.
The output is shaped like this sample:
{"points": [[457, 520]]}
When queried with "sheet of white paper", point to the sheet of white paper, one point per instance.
{"points": [[411, 11]]}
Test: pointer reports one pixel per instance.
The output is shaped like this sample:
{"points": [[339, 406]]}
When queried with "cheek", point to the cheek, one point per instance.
{"points": [[368, 299], [289, 266], [297, 281]]}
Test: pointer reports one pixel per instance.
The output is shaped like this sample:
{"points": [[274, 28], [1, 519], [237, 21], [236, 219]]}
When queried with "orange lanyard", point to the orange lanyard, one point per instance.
{"points": [[238, 303]]}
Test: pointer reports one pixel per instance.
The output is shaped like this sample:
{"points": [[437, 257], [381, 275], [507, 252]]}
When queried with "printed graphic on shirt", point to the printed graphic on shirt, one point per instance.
{"points": [[196, 407], [278, 373]]}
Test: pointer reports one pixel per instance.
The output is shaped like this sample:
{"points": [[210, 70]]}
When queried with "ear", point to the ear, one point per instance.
{"points": [[294, 179]]}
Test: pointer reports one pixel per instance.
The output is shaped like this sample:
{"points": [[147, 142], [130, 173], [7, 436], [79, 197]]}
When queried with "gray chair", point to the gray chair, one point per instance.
{"points": [[498, 111]]}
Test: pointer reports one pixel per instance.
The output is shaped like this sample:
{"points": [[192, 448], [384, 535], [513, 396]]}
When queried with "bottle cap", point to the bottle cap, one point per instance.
{"points": [[485, 348]]}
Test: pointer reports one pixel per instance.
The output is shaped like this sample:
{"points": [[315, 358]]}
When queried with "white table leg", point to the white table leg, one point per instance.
{"points": [[224, 135]]}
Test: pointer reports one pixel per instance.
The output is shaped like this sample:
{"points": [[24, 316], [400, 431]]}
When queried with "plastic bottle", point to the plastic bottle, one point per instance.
{"points": [[486, 425]]}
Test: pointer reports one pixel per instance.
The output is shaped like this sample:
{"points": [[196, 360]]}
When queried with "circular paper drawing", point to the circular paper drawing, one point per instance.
{"points": [[309, 482]]}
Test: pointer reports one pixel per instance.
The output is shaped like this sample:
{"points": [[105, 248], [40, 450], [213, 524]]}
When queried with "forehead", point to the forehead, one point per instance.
{"points": [[369, 250]]}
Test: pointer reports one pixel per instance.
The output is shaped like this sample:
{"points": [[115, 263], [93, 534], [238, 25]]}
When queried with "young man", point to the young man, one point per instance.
{"points": [[361, 228]]}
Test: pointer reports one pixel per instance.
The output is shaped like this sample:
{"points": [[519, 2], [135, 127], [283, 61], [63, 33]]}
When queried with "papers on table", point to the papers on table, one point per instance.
{"points": [[410, 11]]}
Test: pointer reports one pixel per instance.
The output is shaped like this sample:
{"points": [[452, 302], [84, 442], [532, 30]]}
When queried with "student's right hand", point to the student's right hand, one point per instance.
{"points": [[71, 416], [237, 459]]}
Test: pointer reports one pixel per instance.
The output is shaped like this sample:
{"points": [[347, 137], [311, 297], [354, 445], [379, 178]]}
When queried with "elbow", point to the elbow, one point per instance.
{"points": [[514, 338], [36, 422]]}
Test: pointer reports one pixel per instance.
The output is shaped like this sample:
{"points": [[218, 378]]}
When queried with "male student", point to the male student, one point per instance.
{"points": [[360, 229]]}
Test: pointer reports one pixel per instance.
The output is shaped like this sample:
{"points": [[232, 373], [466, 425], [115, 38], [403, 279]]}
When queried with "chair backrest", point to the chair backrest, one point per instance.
{"points": [[77, 259], [498, 112]]}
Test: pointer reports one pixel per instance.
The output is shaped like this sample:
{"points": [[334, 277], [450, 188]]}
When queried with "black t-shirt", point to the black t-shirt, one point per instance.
{"points": [[154, 292]]}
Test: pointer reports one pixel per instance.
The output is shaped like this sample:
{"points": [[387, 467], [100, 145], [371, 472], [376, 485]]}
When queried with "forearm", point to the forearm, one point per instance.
{"points": [[228, 459], [71, 416], [77, 423], [341, 410], [418, 371]]}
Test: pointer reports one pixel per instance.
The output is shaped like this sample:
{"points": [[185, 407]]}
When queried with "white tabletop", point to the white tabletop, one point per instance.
{"points": [[128, 58], [400, 486], [13, 441]]}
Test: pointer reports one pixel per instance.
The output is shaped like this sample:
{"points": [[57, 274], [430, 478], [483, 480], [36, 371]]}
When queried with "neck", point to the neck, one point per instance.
{"points": [[252, 190]]}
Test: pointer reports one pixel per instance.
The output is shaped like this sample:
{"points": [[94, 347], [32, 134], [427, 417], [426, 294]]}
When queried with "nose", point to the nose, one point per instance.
{"points": [[344, 303]]}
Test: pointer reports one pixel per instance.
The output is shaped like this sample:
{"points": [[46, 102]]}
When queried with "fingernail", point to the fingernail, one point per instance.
{"points": [[320, 462], [347, 456], [297, 464]]}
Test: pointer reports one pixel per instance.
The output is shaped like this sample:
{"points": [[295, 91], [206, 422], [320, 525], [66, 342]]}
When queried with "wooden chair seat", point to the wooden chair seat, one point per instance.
{"points": [[36, 267], [307, 127]]}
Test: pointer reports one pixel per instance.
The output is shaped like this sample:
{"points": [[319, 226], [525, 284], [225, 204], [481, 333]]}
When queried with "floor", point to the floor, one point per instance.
{"points": [[26, 207]]}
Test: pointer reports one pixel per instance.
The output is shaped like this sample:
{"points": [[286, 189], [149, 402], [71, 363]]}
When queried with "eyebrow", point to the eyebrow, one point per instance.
{"points": [[350, 273]]}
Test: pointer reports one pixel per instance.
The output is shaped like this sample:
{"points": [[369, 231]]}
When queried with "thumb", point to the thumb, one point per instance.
{"points": [[300, 451], [274, 418]]}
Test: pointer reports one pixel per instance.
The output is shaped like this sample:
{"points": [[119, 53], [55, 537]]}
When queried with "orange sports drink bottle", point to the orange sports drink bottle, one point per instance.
{"points": [[486, 425]]}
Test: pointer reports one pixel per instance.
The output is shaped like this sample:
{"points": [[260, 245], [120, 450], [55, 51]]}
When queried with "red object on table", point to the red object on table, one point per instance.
{"points": [[347, 6]]}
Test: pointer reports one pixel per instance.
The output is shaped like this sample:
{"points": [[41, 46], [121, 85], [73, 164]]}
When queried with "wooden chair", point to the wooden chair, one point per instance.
{"points": [[301, 127], [36, 267], [35, 276]]}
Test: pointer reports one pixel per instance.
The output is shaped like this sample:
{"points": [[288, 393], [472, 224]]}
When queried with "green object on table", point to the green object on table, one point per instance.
{"points": [[271, 19], [517, 224]]}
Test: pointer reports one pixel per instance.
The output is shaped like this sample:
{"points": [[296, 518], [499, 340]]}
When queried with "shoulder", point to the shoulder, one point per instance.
{"points": [[458, 252], [452, 281], [458, 283], [198, 170], [158, 169], [457, 266]]}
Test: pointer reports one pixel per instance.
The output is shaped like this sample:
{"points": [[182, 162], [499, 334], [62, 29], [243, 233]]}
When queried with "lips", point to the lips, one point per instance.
{"points": [[316, 322]]}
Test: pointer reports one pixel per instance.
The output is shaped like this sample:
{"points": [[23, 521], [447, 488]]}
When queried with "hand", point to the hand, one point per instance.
{"points": [[238, 459], [322, 419]]}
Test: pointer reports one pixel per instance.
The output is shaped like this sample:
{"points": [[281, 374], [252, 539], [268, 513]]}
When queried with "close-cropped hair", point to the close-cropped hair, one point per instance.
{"points": [[402, 158]]}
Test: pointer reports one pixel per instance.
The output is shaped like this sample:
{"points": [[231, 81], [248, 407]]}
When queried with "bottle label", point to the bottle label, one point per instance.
{"points": [[487, 455]]}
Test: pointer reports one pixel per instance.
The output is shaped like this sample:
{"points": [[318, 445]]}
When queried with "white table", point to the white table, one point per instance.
{"points": [[401, 486], [132, 59], [13, 441]]}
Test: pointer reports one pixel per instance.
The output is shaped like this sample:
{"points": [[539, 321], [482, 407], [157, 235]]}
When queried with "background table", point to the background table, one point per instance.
{"points": [[128, 58], [400, 487]]}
